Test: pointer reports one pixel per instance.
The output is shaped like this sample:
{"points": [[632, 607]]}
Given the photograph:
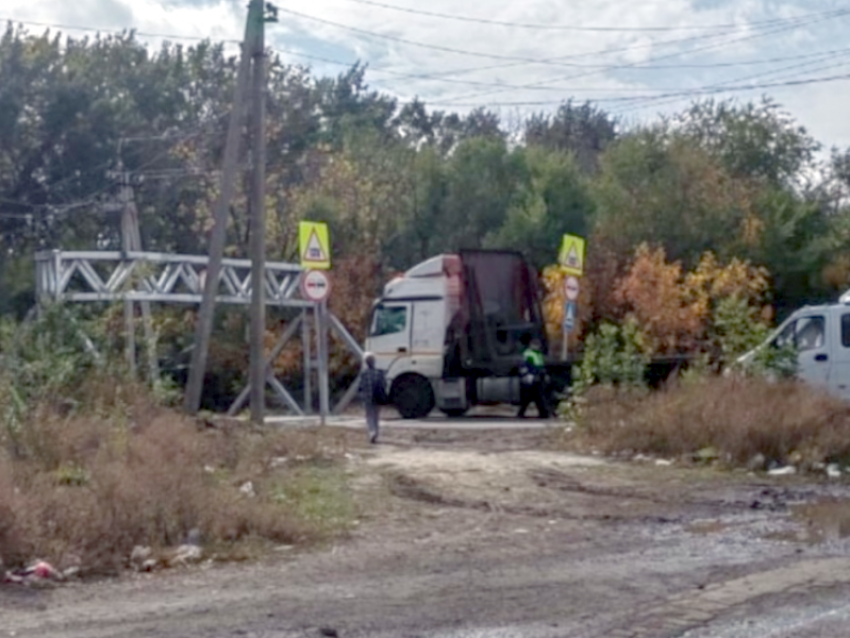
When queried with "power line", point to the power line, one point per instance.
{"points": [[694, 92], [113, 31], [649, 67], [640, 103], [416, 76], [436, 47], [439, 75], [563, 27], [842, 13]]}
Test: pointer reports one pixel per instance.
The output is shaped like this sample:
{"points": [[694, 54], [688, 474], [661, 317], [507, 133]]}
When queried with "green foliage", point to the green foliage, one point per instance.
{"points": [[615, 355], [775, 362], [755, 140], [735, 328], [42, 361], [737, 331], [614, 358], [482, 179], [657, 187], [583, 130], [552, 200]]}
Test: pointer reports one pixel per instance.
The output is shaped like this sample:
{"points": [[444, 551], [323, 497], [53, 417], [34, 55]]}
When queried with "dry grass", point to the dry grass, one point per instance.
{"points": [[735, 418], [86, 487]]}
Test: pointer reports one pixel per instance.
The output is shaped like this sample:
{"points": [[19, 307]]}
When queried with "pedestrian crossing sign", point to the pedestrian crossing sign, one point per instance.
{"points": [[314, 245], [571, 256]]}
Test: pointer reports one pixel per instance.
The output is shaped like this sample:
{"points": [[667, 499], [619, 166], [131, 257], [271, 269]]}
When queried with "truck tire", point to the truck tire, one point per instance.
{"points": [[454, 413], [412, 396]]}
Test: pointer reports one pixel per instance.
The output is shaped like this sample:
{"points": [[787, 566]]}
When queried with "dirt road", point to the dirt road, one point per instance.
{"points": [[485, 534]]}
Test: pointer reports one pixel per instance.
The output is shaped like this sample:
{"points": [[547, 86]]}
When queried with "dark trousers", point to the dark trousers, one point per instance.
{"points": [[373, 412], [534, 393]]}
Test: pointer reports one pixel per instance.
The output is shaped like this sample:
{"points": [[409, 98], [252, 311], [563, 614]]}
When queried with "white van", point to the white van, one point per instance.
{"points": [[821, 336]]}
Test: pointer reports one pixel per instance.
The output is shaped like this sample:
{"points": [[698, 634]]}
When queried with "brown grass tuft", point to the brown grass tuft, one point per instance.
{"points": [[86, 488], [738, 418]]}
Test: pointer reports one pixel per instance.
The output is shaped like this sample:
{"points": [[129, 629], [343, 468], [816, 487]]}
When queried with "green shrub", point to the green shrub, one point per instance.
{"points": [[616, 355]]}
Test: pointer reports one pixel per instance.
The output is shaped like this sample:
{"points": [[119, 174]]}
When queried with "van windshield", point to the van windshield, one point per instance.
{"points": [[806, 333]]}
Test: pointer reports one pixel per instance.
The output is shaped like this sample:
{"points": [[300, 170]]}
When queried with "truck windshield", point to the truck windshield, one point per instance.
{"points": [[388, 320]]}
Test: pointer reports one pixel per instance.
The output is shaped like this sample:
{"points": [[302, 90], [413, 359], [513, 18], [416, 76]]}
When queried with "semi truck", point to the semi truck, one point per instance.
{"points": [[449, 333]]}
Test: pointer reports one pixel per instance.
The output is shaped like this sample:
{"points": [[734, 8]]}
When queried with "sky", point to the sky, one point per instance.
{"points": [[636, 59]]}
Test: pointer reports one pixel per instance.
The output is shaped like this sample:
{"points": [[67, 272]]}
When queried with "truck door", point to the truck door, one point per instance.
{"points": [[839, 375], [810, 338], [428, 329], [389, 332]]}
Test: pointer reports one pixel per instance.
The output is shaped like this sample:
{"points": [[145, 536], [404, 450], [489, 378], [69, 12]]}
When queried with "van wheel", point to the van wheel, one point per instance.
{"points": [[412, 396]]}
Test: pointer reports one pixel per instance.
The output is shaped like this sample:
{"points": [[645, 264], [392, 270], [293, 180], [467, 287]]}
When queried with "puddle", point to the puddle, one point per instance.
{"points": [[707, 527], [826, 520]]}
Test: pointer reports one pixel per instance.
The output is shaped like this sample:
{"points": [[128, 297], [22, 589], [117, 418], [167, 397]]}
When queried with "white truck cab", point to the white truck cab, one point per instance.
{"points": [[448, 333], [821, 336]]}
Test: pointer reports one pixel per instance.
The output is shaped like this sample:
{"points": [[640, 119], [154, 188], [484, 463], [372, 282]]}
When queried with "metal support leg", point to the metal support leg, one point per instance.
{"points": [[306, 339], [322, 341], [150, 343], [290, 331], [352, 344], [130, 337]]}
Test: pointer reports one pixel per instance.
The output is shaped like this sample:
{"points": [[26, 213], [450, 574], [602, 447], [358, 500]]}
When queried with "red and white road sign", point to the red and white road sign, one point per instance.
{"points": [[571, 288], [315, 285]]}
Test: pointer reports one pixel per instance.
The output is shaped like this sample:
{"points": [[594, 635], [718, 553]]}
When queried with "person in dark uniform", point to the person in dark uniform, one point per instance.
{"points": [[533, 379], [373, 392]]}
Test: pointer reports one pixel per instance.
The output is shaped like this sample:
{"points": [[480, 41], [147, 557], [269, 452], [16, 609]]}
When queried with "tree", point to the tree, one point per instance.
{"points": [[482, 178], [550, 200], [422, 211], [585, 131], [756, 141], [657, 187]]}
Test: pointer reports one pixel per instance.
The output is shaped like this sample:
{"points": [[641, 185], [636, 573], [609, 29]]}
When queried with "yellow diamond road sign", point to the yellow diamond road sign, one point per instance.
{"points": [[314, 245], [571, 256]]}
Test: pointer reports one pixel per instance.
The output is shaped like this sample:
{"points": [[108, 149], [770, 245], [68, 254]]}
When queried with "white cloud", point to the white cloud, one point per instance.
{"points": [[819, 107]]}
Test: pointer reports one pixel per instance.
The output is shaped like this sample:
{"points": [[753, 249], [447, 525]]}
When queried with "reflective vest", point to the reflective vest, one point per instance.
{"points": [[534, 358]]}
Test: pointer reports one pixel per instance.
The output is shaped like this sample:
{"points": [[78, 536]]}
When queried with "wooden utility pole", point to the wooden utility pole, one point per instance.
{"points": [[131, 241], [258, 225], [203, 330]]}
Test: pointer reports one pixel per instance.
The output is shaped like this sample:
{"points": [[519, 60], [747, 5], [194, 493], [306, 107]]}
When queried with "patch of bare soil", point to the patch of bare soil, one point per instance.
{"points": [[478, 534]]}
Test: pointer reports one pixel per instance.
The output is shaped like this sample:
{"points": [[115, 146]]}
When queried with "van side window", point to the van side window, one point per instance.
{"points": [[845, 331], [388, 320], [811, 333]]}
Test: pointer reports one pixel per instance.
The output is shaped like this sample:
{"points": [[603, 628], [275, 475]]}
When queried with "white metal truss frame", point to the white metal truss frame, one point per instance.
{"points": [[103, 276], [157, 277]]}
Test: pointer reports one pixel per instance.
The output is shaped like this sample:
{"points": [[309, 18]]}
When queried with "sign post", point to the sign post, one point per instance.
{"points": [[314, 248], [315, 287]]}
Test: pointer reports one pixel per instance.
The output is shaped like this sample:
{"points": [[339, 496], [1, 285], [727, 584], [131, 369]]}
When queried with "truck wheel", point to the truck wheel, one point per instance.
{"points": [[413, 396], [454, 413]]}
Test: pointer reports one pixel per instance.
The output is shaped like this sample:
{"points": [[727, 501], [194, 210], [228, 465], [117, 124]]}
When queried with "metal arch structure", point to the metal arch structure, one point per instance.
{"points": [[104, 276]]}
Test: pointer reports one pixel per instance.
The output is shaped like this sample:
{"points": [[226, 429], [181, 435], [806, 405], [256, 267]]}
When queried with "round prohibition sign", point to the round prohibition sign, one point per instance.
{"points": [[315, 285]]}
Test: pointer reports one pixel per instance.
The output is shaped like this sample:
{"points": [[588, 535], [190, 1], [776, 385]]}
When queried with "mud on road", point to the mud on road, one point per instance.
{"points": [[488, 533]]}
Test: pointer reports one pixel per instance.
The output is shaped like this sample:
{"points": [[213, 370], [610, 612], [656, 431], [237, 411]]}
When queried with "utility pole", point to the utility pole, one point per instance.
{"points": [[258, 225], [131, 241], [203, 330]]}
